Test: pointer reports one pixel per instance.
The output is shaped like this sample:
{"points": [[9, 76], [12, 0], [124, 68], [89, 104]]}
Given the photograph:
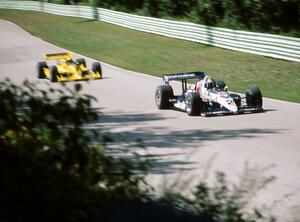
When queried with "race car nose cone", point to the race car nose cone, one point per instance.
{"points": [[234, 108], [228, 104]]}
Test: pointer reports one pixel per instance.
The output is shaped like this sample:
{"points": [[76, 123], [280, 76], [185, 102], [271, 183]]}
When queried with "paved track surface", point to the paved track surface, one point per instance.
{"points": [[181, 147]]}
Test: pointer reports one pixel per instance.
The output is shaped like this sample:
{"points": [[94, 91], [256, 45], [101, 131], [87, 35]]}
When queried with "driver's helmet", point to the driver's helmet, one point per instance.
{"points": [[210, 83], [69, 60]]}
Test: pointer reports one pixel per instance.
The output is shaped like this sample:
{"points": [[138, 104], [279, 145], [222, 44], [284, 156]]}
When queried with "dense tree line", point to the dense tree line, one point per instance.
{"points": [[272, 16]]}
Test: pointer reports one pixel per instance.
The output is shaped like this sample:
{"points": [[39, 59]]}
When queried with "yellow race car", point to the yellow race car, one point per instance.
{"points": [[67, 69]]}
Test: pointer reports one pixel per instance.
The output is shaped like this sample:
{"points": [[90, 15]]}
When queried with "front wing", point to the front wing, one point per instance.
{"points": [[224, 111], [64, 77], [179, 104], [78, 77]]}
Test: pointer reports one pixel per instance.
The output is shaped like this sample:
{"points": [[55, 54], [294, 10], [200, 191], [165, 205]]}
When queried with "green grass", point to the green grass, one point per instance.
{"points": [[156, 55]]}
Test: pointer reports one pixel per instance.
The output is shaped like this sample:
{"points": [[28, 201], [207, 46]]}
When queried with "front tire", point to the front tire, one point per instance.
{"points": [[254, 97], [193, 104], [53, 73], [40, 70], [81, 61], [220, 84], [96, 67], [163, 95]]}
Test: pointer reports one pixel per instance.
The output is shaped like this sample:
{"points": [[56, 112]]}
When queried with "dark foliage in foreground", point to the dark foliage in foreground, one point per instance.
{"points": [[49, 168], [52, 169]]}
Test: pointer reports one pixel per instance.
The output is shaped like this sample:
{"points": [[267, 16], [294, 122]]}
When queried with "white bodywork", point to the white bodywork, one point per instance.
{"points": [[224, 100], [219, 96]]}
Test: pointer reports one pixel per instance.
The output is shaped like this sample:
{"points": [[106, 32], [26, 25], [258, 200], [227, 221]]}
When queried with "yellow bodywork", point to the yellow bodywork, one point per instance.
{"points": [[67, 69]]}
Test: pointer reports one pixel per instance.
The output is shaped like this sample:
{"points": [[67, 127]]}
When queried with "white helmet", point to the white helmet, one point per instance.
{"points": [[209, 82]]}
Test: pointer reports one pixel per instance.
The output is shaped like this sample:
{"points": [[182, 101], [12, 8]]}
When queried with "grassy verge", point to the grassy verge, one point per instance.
{"points": [[156, 55]]}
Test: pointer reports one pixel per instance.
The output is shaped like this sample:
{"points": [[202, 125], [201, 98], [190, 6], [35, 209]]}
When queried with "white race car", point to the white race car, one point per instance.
{"points": [[206, 97]]}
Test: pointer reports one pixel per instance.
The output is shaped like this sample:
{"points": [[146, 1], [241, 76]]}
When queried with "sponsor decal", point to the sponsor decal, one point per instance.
{"points": [[184, 76]]}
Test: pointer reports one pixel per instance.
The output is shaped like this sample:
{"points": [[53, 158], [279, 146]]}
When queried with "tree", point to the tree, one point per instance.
{"points": [[209, 12]]}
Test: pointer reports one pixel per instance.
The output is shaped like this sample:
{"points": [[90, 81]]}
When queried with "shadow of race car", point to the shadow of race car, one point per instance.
{"points": [[67, 69], [207, 97]]}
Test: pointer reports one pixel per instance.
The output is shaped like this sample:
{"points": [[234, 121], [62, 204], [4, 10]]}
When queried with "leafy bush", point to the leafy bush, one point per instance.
{"points": [[50, 169], [223, 201]]}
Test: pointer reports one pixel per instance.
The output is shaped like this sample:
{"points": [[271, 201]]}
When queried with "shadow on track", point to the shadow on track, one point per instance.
{"points": [[133, 133]]}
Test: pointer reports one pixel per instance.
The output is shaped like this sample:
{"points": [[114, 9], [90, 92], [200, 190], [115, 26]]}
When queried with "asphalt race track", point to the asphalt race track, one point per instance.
{"points": [[182, 148]]}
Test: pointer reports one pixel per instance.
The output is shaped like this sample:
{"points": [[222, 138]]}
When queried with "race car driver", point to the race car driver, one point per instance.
{"points": [[203, 87]]}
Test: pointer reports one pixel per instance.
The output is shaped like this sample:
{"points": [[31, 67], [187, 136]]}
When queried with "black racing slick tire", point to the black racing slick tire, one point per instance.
{"points": [[81, 61], [96, 67], [193, 104], [40, 70], [53, 74], [220, 84], [254, 97], [163, 95]]}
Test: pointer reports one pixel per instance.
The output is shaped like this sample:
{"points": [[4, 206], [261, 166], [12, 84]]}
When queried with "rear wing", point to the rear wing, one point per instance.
{"points": [[183, 76], [63, 55]]}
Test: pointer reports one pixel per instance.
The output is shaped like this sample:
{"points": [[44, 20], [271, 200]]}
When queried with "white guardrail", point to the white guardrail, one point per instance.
{"points": [[274, 46]]}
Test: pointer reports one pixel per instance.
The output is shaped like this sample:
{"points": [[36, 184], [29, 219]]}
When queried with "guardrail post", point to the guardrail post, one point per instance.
{"points": [[41, 5], [96, 15]]}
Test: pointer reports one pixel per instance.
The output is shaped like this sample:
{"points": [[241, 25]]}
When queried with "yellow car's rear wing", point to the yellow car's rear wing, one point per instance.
{"points": [[63, 55]]}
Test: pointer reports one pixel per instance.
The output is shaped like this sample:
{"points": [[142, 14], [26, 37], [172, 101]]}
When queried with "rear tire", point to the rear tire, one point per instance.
{"points": [[53, 73], [193, 104], [254, 97], [40, 70], [81, 61], [96, 67], [163, 95]]}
